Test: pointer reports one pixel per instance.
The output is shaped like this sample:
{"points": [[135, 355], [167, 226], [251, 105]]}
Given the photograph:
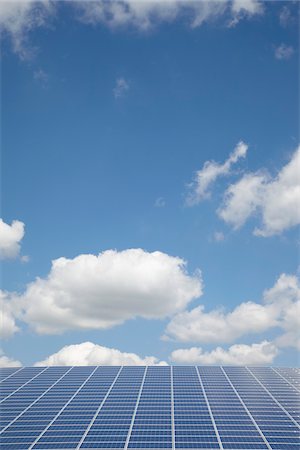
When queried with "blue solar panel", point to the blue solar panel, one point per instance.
{"points": [[161, 407]]}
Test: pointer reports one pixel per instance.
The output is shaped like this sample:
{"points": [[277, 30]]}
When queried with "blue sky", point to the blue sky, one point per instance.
{"points": [[106, 129]]}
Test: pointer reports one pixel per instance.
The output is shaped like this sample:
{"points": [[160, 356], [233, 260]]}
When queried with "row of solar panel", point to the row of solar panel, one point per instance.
{"points": [[135, 387]]}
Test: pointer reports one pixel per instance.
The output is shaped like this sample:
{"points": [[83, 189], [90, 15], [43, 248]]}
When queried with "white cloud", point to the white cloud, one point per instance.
{"points": [[238, 354], [5, 361], [244, 8], [277, 199], [8, 311], [10, 238], [242, 199], [89, 354], [18, 18], [280, 309], [204, 178], [285, 297], [217, 326], [284, 52], [98, 292], [141, 15], [120, 88], [247, 7], [206, 11], [145, 14]]}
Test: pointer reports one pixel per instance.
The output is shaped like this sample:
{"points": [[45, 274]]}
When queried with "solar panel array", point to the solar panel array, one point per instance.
{"points": [[161, 407]]}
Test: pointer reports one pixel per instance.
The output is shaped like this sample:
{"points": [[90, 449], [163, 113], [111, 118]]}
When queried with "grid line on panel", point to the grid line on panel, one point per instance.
{"points": [[172, 409], [37, 399], [98, 410], [135, 410], [283, 377], [247, 410], [20, 387], [4, 379], [209, 410], [62, 409], [272, 396]]}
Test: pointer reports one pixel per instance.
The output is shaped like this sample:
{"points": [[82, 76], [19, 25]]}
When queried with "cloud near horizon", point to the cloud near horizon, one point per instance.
{"points": [[280, 309], [90, 354], [5, 361], [237, 355]]}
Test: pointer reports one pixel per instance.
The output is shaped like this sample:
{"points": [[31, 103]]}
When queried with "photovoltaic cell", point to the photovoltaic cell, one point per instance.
{"points": [[290, 374], [155, 407]]}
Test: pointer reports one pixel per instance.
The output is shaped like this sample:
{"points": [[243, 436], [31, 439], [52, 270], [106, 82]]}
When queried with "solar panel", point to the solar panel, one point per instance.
{"points": [[154, 407]]}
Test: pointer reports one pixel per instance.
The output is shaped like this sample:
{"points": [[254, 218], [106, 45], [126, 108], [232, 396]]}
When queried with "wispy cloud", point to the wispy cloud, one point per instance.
{"points": [[19, 18], [160, 202], [199, 189], [284, 52], [285, 16], [41, 76], [145, 14], [121, 88], [219, 236]]}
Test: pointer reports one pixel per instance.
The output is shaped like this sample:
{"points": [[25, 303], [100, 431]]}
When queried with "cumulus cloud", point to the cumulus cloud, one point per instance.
{"points": [[89, 354], [285, 297], [204, 178], [5, 361], [284, 52], [280, 309], [239, 355], [217, 326], [8, 311], [98, 292], [276, 200], [18, 18], [121, 87], [10, 238], [145, 14]]}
